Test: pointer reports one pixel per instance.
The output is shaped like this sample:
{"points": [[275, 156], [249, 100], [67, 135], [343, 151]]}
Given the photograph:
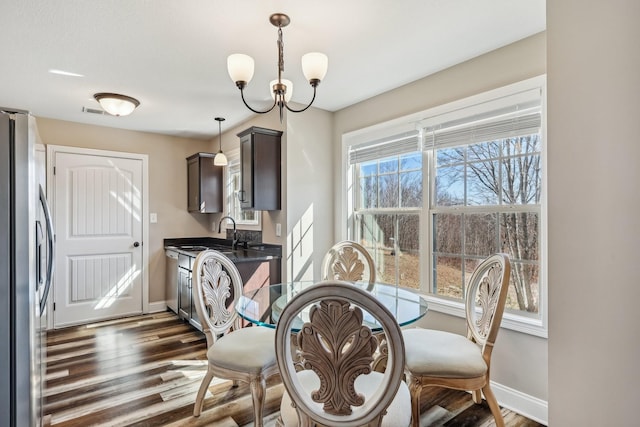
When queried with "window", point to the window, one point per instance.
{"points": [[430, 204], [245, 219], [389, 200]]}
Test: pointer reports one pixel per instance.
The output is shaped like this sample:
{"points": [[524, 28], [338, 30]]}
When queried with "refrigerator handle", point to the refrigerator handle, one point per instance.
{"points": [[50, 249], [39, 253]]}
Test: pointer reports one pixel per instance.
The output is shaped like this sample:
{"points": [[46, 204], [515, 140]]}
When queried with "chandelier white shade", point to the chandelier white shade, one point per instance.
{"points": [[289, 89], [240, 67], [314, 68], [116, 104], [315, 65]]}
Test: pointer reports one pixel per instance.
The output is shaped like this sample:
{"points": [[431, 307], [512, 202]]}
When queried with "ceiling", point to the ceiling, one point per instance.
{"points": [[171, 55]]}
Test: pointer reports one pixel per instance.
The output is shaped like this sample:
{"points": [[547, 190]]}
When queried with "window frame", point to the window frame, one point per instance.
{"points": [[534, 325], [233, 167]]}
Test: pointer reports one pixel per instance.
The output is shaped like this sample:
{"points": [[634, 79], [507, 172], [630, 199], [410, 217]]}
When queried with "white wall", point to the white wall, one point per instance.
{"points": [[593, 133], [519, 360], [309, 189]]}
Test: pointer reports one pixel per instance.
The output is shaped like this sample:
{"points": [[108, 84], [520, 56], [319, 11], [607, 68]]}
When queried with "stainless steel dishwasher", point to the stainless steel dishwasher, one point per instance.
{"points": [[171, 279]]}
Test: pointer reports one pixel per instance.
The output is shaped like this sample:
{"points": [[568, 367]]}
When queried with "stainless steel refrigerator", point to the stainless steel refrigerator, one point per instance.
{"points": [[26, 266]]}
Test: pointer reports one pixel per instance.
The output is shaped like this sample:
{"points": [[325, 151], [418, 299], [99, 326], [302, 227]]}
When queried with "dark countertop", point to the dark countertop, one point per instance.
{"points": [[191, 246]]}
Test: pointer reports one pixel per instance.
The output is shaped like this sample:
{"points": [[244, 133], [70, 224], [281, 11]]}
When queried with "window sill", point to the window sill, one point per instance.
{"points": [[510, 321]]}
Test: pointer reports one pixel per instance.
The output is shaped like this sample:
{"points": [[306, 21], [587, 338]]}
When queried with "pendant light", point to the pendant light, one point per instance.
{"points": [[220, 159]]}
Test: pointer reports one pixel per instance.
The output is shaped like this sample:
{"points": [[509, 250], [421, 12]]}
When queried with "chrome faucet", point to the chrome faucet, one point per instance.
{"points": [[234, 242]]}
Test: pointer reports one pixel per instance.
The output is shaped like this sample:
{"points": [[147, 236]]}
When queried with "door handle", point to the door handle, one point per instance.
{"points": [[136, 244], [50, 249]]}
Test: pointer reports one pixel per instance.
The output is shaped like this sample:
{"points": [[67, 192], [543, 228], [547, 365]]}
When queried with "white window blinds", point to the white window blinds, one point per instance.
{"points": [[406, 142], [506, 122]]}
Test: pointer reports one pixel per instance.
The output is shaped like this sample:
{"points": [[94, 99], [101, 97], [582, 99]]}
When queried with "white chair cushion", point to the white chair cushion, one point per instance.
{"points": [[248, 349], [442, 354], [398, 413]]}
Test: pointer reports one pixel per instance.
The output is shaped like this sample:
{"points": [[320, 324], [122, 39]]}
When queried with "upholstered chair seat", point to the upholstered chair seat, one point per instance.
{"points": [[231, 351], [442, 354]]}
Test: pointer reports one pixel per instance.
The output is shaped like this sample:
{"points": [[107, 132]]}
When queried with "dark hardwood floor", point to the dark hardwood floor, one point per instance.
{"points": [[146, 370]]}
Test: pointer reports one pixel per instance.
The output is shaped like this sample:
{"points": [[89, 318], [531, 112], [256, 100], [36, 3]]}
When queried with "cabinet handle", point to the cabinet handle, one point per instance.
{"points": [[241, 196]]}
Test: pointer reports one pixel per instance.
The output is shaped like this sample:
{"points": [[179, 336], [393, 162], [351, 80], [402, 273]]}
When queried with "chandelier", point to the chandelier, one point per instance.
{"points": [[314, 68]]}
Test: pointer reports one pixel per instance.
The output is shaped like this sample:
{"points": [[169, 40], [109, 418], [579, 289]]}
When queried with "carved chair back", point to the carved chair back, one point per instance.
{"points": [[348, 261], [485, 300], [216, 287], [338, 349]]}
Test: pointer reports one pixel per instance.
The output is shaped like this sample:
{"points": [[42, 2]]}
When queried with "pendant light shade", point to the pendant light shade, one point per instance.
{"points": [[116, 104], [220, 159]]}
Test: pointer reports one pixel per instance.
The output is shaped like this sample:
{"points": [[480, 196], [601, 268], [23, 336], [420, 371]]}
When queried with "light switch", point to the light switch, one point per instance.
{"points": [[278, 229], [153, 218]]}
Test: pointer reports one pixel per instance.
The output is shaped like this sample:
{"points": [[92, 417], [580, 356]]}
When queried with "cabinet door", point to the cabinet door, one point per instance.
{"points": [[266, 172], [193, 184], [256, 274], [204, 184], [184, 296], [260, 155]]}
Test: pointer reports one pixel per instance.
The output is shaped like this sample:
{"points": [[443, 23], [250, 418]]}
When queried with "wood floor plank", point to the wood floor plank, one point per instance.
{"points": [[145, 371]]}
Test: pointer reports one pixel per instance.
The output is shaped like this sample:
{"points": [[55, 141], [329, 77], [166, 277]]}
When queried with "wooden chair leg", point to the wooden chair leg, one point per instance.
{"points": [[202, 391], [476, 396], [258, 387], [493, 405], [415, 389]]}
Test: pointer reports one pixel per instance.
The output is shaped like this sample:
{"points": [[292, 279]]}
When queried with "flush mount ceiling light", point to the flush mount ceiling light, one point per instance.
{"points": [[220, 159], [314, 67], [115, 104]]}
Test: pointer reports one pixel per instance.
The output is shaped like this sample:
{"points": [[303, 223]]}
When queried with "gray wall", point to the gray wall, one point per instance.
{"points": [[519, 360], [593, 57]]}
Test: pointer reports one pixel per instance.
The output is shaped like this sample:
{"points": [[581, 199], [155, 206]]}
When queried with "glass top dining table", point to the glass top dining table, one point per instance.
{"points": [[263, 306]]}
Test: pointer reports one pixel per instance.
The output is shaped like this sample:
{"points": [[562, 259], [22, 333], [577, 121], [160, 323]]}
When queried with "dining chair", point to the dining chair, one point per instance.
{"points": [[337, 386], [234, 353], [349, 261], [444, 359]]}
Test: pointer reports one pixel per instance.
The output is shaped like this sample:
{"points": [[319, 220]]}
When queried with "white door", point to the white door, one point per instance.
{"points": [[98, 225]]}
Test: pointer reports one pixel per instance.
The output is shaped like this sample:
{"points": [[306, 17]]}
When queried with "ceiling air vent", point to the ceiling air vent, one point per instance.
{"points": [[92, 111]]}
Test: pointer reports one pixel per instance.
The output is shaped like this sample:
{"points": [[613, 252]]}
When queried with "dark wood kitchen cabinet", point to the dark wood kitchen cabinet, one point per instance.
{"points": [[204, 183], [260, 159], [254, 275]]}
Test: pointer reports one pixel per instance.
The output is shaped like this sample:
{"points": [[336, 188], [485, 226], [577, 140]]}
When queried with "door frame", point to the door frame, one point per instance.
{"points": [[50, 159]]}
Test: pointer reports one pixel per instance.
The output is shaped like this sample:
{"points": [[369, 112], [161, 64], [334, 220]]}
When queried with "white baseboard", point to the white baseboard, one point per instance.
{"points": [[157, 307], [531, 407]]}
